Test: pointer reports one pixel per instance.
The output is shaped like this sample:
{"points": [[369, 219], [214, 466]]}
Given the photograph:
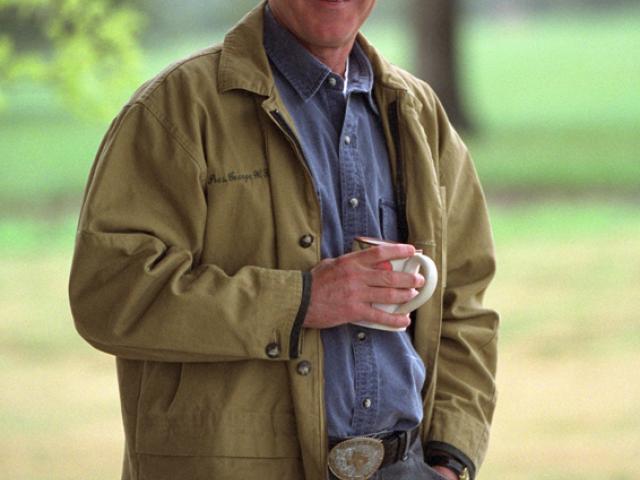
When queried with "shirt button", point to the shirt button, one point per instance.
{"points": [[306, 241], [362, 336], [273, 350], [367, 403], [332, 81], [304, 368], [347, 140], [354, 202]]}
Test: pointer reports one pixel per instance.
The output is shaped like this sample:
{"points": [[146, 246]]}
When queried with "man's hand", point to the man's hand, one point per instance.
{"points": [[344, 288]]}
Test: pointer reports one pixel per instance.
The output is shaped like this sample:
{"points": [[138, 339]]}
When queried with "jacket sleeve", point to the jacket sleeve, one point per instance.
{"points": [[137, 288], [466, 366]]}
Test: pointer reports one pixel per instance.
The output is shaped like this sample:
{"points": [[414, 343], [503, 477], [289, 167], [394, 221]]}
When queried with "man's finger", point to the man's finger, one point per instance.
{"points": [[376, 255], [389, 295], [391, 279], [374, 315]]}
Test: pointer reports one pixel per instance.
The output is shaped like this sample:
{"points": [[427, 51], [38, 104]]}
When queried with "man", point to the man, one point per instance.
{"points": [[213, 259]]}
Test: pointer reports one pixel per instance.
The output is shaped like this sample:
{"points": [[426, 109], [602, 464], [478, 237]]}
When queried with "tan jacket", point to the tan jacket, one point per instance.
{"points": [[188, 267]]}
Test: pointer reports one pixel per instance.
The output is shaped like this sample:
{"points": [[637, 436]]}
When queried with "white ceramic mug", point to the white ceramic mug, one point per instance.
{"points": [[413, 264]]}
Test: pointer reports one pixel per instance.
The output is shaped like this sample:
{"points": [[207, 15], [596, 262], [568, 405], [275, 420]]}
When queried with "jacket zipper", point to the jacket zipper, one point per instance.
{"points": [[288, 131], [393, 115]]}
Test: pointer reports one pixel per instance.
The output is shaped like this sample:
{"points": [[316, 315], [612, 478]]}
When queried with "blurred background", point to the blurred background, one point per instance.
{"points": [[545, 93]]}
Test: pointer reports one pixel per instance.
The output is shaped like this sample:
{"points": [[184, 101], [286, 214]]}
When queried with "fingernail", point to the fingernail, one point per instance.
{"points": [[420, 280]]}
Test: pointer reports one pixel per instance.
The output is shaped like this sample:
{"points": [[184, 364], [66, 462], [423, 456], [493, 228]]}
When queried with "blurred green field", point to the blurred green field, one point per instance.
{"points": [[560, 101], [570, 352], [556, 101]]}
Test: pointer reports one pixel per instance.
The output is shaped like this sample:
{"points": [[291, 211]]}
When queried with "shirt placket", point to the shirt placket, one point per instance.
{"points": [[352, 185], [365, 411]]}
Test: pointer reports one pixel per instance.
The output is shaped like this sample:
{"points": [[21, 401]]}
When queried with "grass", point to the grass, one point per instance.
{"points": [[28, 235], [558, 101], [567, 292], [46, 152], [573, 159], [560, 70], [585, 269], [570, 349]]}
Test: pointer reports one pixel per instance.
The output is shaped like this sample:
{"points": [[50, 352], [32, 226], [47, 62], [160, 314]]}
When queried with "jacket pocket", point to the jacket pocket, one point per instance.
{"points": [[158, 467], [233, 409]]}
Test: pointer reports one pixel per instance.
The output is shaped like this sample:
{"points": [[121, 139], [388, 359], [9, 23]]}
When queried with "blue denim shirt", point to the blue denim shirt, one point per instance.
{"points": [[373, 378]]}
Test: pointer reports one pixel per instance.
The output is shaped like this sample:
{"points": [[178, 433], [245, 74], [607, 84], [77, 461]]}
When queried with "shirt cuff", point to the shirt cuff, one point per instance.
{"points": [[295, 340], [440, 448]]}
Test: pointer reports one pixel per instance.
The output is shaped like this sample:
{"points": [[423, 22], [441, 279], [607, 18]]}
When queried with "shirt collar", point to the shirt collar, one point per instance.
{"points": [[306, 73]]}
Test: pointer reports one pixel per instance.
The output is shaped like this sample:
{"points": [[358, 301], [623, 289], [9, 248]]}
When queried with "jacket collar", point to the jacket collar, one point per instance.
{"points": [[244, 63], [385, 74]]}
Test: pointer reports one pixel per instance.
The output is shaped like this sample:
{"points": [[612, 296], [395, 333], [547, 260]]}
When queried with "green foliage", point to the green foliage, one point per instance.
{"points": [[93, 56]]}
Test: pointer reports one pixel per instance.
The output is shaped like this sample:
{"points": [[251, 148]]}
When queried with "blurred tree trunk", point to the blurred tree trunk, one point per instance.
{"points": [[435, 24]]}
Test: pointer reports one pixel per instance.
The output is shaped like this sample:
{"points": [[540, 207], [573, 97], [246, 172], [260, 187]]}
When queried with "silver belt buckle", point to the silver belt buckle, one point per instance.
{"points": [[356, 458]]}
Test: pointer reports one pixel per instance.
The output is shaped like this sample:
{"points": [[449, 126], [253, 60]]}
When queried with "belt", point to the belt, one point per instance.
{"points": [[359, 457]]}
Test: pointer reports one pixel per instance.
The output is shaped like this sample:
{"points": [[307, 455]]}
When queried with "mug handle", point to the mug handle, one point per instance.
{"points": [[430, 273]]}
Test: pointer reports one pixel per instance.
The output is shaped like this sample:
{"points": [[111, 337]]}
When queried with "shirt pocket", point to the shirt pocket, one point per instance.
{"points": [[388, 214]]}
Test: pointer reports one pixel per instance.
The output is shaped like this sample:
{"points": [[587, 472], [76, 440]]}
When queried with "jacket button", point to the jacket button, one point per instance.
{"points": [[304, 368], [306, 241], [273, 350]]}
